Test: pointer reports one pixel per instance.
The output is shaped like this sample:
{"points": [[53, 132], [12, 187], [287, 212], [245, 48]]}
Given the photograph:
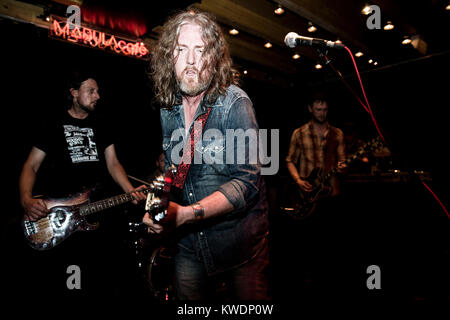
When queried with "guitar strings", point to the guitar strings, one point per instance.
{"points": [[45, 222]]}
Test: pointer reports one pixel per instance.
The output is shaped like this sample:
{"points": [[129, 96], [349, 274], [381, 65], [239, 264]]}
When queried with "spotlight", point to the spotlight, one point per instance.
{"points": [[268, 45], [233, 32], [406, 40], [318, 66], [366, 10], [388, 26], [359, 54], [311, 27], [279, 11], [296, 56]]}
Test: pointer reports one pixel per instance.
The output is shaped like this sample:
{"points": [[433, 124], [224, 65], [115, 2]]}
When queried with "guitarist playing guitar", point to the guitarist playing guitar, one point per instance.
{"points": [[71, 150], [316, 145]]}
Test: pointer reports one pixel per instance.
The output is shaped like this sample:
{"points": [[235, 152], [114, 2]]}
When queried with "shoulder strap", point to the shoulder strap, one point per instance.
{"points": [[188, 153]]}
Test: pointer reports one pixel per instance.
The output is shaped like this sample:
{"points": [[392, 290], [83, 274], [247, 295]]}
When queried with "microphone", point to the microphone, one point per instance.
{"points": [[292, 40]]}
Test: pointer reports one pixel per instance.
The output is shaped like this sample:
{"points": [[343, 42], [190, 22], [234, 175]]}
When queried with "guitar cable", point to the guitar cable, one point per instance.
{"points": [[139, 180]]}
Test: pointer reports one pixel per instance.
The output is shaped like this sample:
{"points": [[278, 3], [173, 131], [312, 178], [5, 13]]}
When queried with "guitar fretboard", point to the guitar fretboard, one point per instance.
{"points": [[107, 203]]}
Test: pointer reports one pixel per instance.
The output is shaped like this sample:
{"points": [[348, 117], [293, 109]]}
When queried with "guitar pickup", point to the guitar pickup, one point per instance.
{"points": [[30, 227]]}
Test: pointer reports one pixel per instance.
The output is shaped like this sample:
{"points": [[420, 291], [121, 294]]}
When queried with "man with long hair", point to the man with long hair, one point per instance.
{"points": [[220, 208]]}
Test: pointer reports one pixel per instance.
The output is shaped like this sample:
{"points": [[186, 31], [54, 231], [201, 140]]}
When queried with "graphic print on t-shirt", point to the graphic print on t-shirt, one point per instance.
{"points": [[81, 144]]}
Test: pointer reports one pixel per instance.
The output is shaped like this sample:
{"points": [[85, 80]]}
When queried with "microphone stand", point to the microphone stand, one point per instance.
{"points": [[323, 56]]}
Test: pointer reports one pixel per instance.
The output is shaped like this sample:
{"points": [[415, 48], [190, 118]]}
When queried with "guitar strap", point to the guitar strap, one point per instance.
{"points": [[189, 150]]}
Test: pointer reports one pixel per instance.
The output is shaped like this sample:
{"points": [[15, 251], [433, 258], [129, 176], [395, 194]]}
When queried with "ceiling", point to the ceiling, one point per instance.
{"points": [[427, 21]]}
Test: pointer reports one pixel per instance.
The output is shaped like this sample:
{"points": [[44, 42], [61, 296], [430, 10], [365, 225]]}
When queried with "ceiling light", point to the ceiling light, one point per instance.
{"points": [[233, 32], [406, 40], [447, 7], [338, 41], [311, 27], [366, 10], [359, 54], [245, 71], [318, 66], [370, 60], [388, 26], [296, 56], [375, 63], [279, 10], [268, 45]]}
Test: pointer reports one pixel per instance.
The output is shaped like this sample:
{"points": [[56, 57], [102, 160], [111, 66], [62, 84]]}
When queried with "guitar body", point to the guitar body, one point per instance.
{"points": [[306, 202], [68, 215], [60, 223]]}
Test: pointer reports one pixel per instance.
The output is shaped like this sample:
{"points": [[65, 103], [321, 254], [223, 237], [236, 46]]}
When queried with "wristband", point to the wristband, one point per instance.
{"points": [[199, 211]]}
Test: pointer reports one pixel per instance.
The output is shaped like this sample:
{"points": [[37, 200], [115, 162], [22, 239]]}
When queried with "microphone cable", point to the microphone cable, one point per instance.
{"points": [[369, 110]]}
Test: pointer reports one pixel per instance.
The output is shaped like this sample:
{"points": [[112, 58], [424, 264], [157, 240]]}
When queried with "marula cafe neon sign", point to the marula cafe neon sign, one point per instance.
{"points": [[85, 36]]}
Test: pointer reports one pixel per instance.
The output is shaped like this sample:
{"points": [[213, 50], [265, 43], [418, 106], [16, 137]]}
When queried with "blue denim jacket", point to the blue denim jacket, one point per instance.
{"points": [[231, 239]]}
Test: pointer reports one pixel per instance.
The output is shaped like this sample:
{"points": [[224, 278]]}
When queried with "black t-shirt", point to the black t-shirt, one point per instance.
{"points": [[75, 154]]}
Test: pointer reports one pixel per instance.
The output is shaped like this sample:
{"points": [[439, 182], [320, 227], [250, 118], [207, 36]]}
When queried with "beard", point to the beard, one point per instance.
{"points": [[193, 85], [88, 108]]}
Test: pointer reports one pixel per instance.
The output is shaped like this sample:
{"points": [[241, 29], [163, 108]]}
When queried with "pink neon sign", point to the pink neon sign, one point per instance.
{"points": [[97, 39]]}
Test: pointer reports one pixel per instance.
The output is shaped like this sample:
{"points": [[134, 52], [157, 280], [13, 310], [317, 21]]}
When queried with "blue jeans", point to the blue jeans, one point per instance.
{"points": [[248, 281]]}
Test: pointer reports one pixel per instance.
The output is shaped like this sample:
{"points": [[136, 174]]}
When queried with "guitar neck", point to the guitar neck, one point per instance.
{"points": [[107, 203], [347, 161]]}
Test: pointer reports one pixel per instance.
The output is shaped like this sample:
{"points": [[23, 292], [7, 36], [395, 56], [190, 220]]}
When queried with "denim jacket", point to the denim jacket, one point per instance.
{"points": [[231, 239]]}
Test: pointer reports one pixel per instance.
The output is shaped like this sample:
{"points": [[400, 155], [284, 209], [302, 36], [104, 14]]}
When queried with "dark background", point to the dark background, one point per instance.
{"points": [[398, 226]]}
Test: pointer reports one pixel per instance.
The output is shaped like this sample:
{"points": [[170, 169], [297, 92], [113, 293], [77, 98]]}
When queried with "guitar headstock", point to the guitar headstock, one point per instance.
{"points": [[373, 145], [158, 198]]}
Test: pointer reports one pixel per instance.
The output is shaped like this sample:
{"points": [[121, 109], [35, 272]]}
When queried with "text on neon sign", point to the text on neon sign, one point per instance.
{"points": [[98, 39]]}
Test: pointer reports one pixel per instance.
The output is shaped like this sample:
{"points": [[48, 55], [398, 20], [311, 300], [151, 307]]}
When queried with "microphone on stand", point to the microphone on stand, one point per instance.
{"points": [[292, 40]]}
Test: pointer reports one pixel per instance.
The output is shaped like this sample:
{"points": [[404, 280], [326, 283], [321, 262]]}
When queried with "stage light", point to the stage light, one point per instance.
{"points": [[311, 27], [388, 26], [406, 40], [366, 10], [279, 11]]}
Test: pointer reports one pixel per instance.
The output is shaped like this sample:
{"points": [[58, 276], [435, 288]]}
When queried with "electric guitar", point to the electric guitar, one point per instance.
{"points": [[67, 215], [306, 202]]}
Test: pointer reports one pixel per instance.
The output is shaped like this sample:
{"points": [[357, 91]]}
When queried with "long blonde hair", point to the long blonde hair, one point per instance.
{"points": [[216, 56]]}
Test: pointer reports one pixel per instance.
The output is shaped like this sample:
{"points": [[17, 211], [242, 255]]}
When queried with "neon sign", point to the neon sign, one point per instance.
{"points": [[97, 39]]}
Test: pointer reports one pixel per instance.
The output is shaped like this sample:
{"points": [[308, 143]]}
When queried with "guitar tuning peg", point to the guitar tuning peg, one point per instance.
{"points": [[173, 169]]}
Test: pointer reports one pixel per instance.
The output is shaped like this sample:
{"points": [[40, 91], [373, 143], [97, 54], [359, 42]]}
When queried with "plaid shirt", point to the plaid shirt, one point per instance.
{"points": [[307, 150]]}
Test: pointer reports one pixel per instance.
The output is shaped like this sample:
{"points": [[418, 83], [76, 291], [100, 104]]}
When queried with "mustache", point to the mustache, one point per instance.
{"points": [[187, 69]]}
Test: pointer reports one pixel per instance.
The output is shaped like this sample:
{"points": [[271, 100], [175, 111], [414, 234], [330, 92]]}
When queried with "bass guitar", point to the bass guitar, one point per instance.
{"points": [[67, 215]]}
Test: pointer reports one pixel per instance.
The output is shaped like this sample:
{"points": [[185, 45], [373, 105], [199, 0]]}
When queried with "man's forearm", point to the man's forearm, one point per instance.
{"points": [[119, 175], [216, 204], [293, 171]]}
